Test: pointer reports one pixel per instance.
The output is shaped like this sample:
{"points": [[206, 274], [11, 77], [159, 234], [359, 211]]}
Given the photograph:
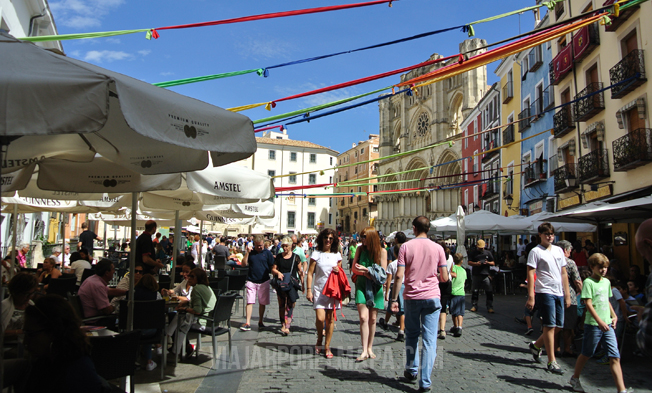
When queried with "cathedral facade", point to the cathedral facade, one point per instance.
{"points": [[431, 116]]}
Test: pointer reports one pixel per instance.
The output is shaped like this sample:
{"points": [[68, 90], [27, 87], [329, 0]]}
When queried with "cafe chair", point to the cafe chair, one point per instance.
{"points": [[62, 286], [221, 313], [237, 283], [87, 273], [219, 286], [164, 281], [148, 314], [75, 302], [115, 357]]}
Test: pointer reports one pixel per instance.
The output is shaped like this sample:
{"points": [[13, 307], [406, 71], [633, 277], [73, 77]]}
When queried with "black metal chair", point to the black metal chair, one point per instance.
{"points": [[75, 302], [220, 285], [87, 273], [237, 283], [115, 356], [220, 262], [62, 286], [164, 281], [148, 314], [221, 313]]}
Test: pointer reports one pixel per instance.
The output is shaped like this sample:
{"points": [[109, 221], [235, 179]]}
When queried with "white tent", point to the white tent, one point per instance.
{"points": [[636, 210], [537, 219], [483, 221]]}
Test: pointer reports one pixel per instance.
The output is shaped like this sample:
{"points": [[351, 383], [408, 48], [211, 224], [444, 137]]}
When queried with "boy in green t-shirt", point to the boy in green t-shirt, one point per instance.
{"points": [[457, 301], [599, 323]]}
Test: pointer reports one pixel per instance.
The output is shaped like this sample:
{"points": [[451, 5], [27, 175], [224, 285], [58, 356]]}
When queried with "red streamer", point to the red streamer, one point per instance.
{"points": [[363, 80], [281, 189], [276, 15], [268, 128]]}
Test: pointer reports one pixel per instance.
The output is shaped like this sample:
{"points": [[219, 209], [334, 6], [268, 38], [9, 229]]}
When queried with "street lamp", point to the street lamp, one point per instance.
{"points": [[509, 200], [571, 181]]}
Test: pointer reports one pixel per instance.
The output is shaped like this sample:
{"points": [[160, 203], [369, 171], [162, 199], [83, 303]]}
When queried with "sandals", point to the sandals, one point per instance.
{"points": [[361, 359], [329, 354], [372, 355], [318, 349]]}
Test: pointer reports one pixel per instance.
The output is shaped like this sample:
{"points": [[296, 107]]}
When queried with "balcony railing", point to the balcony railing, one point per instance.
{"points": [[491, 187], [633, 150], [508, 134], [524, 120], [563, 121], [535, 172], [508, 92], [622, 17], [564, 173], [631, 69], [491, 142], [592, 104], [536, 109], [593, 166], [535, 58], [548, 97]]}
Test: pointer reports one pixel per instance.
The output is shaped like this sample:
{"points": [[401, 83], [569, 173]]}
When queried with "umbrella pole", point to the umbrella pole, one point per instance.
{"points": [[62, 234], [175, 247], [14, 239], [132, 262], [201, 243]]}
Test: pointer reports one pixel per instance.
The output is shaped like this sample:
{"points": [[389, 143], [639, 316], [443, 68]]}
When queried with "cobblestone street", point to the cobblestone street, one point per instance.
{"points": [[491, 355]]}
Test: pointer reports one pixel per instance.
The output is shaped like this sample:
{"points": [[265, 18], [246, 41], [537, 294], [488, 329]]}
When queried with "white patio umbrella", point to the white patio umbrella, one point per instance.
{"points": [[485, 221], [636, 210], [539, 218], [461, 234], [56, 106]]}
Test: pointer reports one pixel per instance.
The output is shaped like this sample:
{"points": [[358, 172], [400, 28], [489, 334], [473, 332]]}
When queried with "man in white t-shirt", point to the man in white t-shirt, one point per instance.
{"points": [[520, 248], [550, 292]]}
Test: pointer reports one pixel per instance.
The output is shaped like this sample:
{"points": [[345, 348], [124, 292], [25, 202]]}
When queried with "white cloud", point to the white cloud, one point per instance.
{"points": [[82, 14], [259, 49], [106, 55], [113, 40], [144, 52]]}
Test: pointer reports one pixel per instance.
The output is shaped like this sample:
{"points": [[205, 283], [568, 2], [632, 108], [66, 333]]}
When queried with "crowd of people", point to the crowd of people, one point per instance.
{"points": [[418, 282]]}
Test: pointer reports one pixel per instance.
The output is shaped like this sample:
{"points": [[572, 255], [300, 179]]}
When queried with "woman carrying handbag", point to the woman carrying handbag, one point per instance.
{"points": [[288, 276]]}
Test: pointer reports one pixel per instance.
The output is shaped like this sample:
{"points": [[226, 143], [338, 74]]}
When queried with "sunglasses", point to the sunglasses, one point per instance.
{"points": [[139, 272]]}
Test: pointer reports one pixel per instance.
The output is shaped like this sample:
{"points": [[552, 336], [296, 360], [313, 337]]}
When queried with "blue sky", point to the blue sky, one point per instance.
{"points": [[208, 50]]}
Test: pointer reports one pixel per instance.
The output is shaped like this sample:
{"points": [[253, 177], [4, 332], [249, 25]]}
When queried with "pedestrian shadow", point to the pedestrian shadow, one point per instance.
{"points": [[533, 384], [370, 376], [488, 358], [508, 348]]}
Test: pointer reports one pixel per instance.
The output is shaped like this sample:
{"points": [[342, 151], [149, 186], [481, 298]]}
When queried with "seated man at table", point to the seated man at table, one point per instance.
{"points": [[78, 265], [94, 292]]}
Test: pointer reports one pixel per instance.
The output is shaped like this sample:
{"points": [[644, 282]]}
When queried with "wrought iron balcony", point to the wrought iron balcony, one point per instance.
{"points": [[593, 166], [591, 104], [631, 69], [491, 188], [491, 142], [633, 149], [566, 178], [622, 17], [535, 58], [536, 109], [551, 73], [563, 121], [535, 172], [508, 134], [524, 120], [548, 97], [508, 92]]}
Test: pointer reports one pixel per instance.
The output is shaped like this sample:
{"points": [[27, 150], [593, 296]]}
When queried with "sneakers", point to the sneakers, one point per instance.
{"points": [[604, 360], [409, 376], [452, 330], [474, 309], [576, 385], [491, 311], [529, 331], [425, 390], [554, 368], [151, 365], [246, 327], [382, 323], [536, 352], [400, 337], [442, 335], [458, 332]]}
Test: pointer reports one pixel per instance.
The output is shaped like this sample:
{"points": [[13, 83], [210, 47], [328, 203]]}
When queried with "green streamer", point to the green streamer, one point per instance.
{"points": [[63, 37], [186, 81], [318, 107], [632, 4]]}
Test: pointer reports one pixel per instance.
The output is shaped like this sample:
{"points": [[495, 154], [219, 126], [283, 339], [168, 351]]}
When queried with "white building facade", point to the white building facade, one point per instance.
{"points": [[278, 155]]}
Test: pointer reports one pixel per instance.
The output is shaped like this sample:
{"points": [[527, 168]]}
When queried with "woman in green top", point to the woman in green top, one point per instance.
{"points": [[369, 252], [352, 249], [202, 302]]}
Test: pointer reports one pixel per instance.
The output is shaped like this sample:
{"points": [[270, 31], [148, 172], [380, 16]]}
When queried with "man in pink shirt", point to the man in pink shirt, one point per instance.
{"points": [[94, 292], [423, 264]]}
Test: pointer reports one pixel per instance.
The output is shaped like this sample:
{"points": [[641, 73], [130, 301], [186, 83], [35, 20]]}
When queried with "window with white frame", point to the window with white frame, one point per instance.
{"points": [[292, 178], [291, 217], [475, 194], [331, 160], [313, 158], [272, 154], [466, 197], [466, 170], [293, 156], [271, 173], [312, 178], [312, 201], [475, 163]]}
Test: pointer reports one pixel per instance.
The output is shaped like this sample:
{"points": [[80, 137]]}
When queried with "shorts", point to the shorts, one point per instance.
{"points": [[261, 291], [324, 302], [570, 317], [593, 335], [445, 291], [551, 309], [399, 300], [457, 305]]}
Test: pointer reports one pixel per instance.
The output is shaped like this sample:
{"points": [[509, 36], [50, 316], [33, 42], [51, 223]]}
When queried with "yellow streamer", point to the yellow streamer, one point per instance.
{"points": [[245, 107]]}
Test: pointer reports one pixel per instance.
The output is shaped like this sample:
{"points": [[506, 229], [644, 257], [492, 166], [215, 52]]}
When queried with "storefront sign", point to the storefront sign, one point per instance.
{"points": [[602, 192], [568, 202]]}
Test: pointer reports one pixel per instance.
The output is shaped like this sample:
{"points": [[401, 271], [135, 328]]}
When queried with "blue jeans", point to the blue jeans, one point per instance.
{"points": [[421, 318], [551, 309]]}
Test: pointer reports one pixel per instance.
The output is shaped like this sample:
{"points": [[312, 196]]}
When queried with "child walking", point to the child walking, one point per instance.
{"points": [[599, 323], [457, 302]]}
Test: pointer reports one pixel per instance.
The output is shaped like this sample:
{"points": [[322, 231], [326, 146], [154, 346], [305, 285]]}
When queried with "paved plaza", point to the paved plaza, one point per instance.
{"points": [[491, 355]]}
